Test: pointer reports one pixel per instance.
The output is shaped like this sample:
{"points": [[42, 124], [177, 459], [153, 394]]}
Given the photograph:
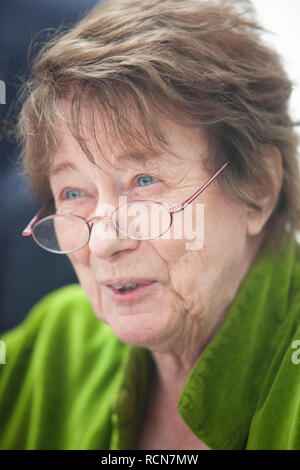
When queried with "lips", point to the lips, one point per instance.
{"points": [[127, 286], [127, 289], [120, 282]]}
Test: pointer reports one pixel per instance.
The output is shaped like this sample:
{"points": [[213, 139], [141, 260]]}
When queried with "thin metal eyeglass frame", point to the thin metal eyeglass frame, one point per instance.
{"points": [[28, 231]]}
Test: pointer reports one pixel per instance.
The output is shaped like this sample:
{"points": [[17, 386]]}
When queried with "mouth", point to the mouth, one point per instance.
{"points": [[123, 291]]}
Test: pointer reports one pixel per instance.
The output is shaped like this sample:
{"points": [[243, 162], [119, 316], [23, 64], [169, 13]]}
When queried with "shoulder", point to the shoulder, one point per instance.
{"points": [[63, 322], [66, 309], [59, 362]]}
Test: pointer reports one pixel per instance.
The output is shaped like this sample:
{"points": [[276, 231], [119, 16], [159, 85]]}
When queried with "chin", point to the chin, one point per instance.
{"points": [[138, 330]]}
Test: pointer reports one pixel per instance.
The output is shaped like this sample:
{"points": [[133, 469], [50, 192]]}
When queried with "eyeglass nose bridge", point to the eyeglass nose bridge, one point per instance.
{"points": [[98, 217], [90, 222]]}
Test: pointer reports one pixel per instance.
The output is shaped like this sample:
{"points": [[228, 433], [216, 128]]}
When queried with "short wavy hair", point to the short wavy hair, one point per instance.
{"points": [[202, 63]]}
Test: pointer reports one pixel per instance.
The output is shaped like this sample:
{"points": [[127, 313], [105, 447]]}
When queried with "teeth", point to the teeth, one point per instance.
{"points": [[128, 286]]}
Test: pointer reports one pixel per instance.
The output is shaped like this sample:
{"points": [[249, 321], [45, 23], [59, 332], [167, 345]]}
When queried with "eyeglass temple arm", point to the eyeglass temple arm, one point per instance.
{"points": [[182, 206], [27, 232]]}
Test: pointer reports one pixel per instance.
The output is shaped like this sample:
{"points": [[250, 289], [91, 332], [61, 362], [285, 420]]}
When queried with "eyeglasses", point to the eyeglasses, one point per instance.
{"points": [[138, 220]]}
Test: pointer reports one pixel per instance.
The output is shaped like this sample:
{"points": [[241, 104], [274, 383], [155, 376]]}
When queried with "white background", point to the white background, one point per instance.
{"points": [[282, 19]]}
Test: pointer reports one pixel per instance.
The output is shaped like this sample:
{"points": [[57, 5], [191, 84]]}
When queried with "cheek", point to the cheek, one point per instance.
{"points": [[225, 230], [84, 271], [196, 274], [189, 278], [183, 265], [170, 251], [80, 260]]}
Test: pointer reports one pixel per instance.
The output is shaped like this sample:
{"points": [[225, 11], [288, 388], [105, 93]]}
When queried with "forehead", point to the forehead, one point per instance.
{"points": [[182, 145]]}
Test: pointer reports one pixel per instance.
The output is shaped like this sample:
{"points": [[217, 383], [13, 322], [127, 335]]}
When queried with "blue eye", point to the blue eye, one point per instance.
{"points": [[145, 180], [73, 194]]}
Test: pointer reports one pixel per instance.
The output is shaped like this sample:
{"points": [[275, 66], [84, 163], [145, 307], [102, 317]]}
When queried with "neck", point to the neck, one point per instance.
{"points": [[170, 377]]}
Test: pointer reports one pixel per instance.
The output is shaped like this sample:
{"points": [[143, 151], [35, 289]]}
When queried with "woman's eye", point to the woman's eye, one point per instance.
{"points": [[146, 180], [73, 194]]}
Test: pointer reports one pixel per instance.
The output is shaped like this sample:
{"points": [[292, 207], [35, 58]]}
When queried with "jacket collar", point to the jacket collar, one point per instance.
{"points": [[220, 396]]}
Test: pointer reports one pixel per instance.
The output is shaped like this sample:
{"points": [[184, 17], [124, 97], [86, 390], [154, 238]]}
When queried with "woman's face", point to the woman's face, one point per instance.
{"points": [[192, 284]]}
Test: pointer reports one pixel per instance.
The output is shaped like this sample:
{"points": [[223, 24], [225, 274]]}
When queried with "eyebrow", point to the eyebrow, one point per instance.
{"points": [[135, 156], [63, 167]]}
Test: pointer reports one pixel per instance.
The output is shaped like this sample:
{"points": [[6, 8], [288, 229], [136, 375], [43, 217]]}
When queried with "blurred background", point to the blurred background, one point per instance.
{"points": [[27, 272], [281, 19]]}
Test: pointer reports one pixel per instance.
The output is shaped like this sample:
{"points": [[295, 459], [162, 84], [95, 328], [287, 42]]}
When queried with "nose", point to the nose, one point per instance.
{"points": [[106, 241]]}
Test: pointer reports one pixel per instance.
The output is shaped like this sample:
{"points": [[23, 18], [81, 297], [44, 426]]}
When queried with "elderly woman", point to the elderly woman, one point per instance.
{"points": [[158, 138]]}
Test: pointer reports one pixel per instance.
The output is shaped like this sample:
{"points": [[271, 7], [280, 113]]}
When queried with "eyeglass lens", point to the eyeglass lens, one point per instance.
{"points": [[137, 220]]}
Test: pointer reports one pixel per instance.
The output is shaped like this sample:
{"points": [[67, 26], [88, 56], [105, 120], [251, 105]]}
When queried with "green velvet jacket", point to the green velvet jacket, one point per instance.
{"points": [[69, 383]]}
